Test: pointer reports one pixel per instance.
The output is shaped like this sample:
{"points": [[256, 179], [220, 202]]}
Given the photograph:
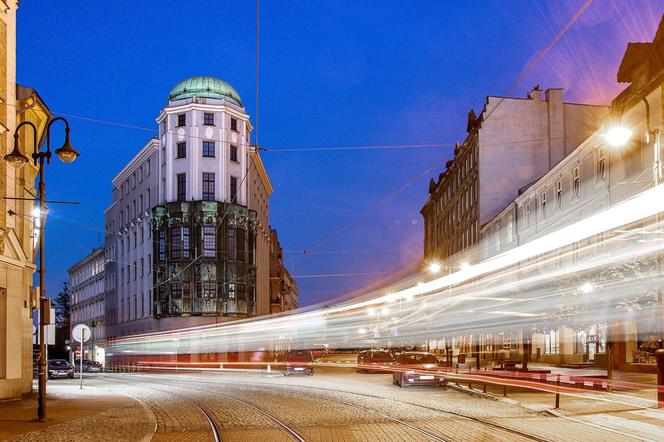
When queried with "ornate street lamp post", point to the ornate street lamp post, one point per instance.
{"points": [[16, 158]]}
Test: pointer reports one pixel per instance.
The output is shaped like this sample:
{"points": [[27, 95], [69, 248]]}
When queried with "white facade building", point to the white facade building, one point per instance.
{"points": [[86, 285], [200, 168]]}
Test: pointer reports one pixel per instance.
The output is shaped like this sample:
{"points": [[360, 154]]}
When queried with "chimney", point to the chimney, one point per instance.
{"points": [[535, 93]]}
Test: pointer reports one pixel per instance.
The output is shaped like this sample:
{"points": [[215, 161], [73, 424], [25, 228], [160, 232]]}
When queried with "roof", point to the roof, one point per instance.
{"points": [[205, 87]]}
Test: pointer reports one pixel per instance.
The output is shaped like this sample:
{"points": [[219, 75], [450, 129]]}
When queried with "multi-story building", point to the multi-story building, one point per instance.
{"points": [[86, 286], [187, 233], [283, 288], [510, 144], [17, 231], [593, 177]]}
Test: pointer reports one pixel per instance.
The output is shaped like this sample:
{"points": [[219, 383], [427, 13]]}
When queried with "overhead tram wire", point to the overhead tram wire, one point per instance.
{"points": [[519, 79]]}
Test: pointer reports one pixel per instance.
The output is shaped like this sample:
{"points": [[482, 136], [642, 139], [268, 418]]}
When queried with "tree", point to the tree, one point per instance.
{"points": [[62, 305]]}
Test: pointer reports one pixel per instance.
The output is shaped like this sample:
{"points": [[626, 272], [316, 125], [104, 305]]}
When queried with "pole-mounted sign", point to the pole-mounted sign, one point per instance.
{"points": [[81, 333]]}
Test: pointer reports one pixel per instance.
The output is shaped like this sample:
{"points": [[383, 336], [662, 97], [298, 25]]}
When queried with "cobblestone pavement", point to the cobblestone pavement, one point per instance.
{"points": [[333, 405]]}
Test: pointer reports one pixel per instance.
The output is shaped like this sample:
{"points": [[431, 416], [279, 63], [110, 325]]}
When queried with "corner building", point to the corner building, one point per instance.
{"points": [[188, 235]]}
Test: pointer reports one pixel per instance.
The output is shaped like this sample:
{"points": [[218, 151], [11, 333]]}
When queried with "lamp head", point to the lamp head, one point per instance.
{"points": [[67, 153], [618, 136], [434, 267], [16, 157]]}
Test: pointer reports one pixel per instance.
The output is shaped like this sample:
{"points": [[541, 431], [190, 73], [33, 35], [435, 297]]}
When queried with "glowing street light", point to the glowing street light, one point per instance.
{"points": [[618, 136], [362, 331], [385, 311], [371, 311], [464, 266], [434, 267], [587, 287]]}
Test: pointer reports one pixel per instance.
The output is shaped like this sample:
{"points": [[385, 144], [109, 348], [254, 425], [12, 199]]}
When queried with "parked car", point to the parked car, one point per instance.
{"points": [[417, 368], [299, 362], [375, 361], [88, 366], [319, 351], [60, 368]]}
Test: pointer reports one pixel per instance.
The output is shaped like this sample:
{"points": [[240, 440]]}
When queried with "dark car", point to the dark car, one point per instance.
{"points": [[299, 362], [88, 366], [375, 361], [59, 368], [417, 368]]}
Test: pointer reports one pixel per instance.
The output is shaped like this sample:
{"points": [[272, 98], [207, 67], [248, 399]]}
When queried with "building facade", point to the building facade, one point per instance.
{"points": [[18, 237], [283, 288], [86, 286], [187, 232], [510, 144], [592, 178]]}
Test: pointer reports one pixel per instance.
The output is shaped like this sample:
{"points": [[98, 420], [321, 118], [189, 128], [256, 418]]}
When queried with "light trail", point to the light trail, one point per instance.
{"points": [[506, 292]]}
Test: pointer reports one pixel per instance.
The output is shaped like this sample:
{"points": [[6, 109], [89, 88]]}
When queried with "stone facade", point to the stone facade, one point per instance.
{"points": [[509, 145], [86, 285], [200, 172], [17, 228], [283, 288]]}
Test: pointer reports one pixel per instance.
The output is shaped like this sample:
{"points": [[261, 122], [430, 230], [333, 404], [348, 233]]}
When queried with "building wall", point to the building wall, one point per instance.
{"points": [[512, 143], [253, 191], [283, 288], [87, 291], [129, 269], [16, 244]]}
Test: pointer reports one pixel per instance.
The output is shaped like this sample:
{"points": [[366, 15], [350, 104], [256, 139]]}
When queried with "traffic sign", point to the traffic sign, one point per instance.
{"points": [[81, 333]]}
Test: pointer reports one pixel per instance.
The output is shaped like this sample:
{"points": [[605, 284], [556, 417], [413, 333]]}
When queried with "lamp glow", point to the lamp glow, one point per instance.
{"points": [[618, 136], [434, 267]]}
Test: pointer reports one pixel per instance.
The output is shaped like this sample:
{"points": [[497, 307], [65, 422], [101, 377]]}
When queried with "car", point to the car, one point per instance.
{"points": [[320, 351], [375, 361], [60, 368], [299, 362], [88, 366], [417, 368]]}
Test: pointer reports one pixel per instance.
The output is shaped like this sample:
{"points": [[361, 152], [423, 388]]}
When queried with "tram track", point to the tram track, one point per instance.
{"points": [[310, 392]]}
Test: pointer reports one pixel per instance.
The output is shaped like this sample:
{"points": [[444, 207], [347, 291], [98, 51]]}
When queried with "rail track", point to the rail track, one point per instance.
{"points": [[312, 392]]}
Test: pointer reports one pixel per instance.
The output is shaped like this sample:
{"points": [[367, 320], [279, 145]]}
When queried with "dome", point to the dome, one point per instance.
{"points": [[205, 87]]}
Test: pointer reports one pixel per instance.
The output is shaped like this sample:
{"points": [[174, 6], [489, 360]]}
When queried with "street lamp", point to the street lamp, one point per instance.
{"points": [[618, 136], [17, 159], [434, 267]]}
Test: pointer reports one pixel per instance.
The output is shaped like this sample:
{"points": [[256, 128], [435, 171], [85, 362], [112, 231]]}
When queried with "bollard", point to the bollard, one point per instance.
{"points": [[484, 389], [504, 390], [269, 368], [659, 354], [470, 385], [558, 393]]}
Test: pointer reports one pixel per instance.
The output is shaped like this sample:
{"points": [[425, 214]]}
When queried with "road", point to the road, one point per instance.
{"points": [[336, 404]]}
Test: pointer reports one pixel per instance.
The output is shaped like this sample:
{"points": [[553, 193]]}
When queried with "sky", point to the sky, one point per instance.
{"points": [[332, 74]]}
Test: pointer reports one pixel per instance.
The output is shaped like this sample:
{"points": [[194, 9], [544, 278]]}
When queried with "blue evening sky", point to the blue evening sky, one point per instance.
{"points": [[333, 73]]}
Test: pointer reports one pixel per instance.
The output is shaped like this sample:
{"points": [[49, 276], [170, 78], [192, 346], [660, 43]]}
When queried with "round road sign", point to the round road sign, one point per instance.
{"points": [[81, 333]]}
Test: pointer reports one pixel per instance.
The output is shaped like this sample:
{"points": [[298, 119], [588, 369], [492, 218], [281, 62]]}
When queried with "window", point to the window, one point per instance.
{"points": [[176, 243], [576, 182], [208, 149], [186, 245], [147, 167], [182, 150], [231, 244], [527, 213], [559, 194], [149, 263], [182, 120], [600, 169], [162, 245], [182, 186], [209, 241], [233, 124], [543, 203], [233, 188], [233, 153], [142, 267], [209, 290], [208, 119], [135, 271], [551, 343], [208, 186]]}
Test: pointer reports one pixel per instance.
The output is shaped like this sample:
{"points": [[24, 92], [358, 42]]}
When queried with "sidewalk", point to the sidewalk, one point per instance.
{"points": [[74, 414], [631, 412]]}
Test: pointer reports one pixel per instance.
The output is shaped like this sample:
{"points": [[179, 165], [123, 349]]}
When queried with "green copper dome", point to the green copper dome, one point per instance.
{"points": [[205, 87]]}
